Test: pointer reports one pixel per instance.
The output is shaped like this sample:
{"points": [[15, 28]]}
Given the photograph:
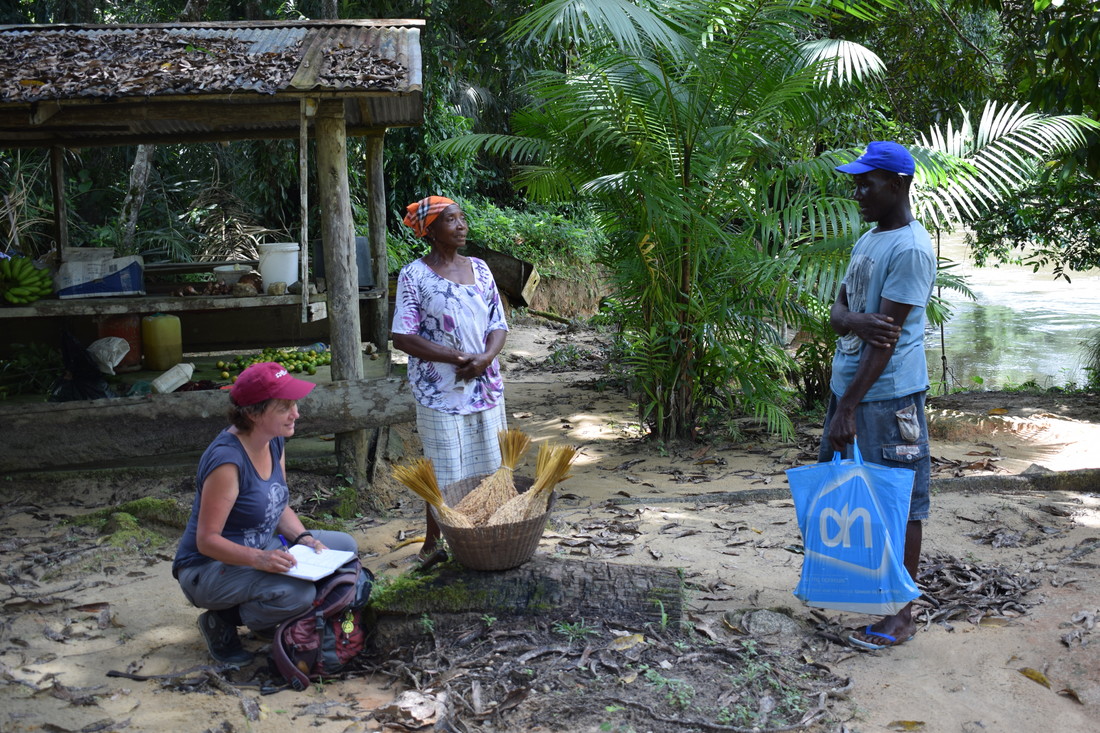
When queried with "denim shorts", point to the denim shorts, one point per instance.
{"points": [[892, 433]]}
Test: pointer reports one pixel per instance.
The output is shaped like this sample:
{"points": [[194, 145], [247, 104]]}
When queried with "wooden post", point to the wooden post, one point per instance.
{"points": [[306, 109], [341, 272], [378, 310], [60, 208]]}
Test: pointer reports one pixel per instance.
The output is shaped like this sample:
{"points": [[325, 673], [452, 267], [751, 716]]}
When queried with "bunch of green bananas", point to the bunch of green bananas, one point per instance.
{"points": [[21, 282]]}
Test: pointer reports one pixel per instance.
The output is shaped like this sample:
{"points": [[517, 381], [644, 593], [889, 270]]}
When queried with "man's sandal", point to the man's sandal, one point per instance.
{"points": [[855, 641]]}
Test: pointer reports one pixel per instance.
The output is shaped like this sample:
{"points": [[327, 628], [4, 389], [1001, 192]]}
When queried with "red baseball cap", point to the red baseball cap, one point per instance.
{"points": [[267, 381]]}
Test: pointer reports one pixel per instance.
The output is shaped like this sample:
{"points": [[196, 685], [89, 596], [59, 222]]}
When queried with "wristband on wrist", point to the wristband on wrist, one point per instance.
{"points": [[299, 537]]}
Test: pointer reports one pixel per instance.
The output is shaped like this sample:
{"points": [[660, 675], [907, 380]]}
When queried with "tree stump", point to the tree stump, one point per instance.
{"points": [[548, 587]]}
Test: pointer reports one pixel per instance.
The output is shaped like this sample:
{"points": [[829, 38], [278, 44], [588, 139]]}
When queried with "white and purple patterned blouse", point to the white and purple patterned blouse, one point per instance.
{"points": [[455, 315]]}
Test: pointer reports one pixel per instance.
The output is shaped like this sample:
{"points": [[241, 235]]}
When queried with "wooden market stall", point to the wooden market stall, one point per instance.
{"points": [[179, 83]]}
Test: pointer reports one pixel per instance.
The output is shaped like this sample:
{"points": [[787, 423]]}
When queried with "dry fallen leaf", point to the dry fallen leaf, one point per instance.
{"points": [[622, 643], [1035, 676], [413, 709], [1071, 694], [994, 621], [906, 725], [733, 623]]}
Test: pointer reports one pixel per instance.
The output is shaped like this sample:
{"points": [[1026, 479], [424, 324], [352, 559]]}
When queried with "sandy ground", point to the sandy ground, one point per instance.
{"points": [[74, 609]]}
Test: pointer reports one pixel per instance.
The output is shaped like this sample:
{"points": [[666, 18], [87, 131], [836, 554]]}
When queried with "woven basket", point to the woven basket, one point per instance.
{"points": [[499, 547]]}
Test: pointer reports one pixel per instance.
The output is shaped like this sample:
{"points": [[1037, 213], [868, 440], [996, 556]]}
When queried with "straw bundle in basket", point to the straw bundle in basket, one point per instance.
{"points": [[551, 467], [500, 486], [499, 547], [420, 477]]}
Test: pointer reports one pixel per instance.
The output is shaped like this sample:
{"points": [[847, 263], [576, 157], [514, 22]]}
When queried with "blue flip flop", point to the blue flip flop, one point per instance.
{"points": [[870, 645]]}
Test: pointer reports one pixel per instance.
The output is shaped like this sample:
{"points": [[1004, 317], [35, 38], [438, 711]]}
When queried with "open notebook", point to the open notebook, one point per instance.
{"points": [[316, 565]]}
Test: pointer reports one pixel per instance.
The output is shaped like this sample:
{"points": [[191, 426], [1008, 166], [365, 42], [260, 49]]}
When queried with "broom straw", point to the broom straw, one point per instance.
{"points": [[499, 486], [551, 467], [420, 477]]}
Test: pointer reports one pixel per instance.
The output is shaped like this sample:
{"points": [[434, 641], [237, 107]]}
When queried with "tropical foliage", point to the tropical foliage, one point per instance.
{"points": [[696, 129], [702, 133], [941, 55], [972, 167], [1040, 227], [684, 125], [1051, 61]]}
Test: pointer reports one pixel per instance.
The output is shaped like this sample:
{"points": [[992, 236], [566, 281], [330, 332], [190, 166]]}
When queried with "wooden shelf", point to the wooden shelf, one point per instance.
{"points": [[159, 304], [186, 268]]}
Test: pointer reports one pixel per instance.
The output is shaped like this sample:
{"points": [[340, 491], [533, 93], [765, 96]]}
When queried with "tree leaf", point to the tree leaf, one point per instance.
{"points": [[622, 643], [1035, 676]]}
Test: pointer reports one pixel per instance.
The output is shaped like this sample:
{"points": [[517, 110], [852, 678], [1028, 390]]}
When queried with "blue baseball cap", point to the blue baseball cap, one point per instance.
{"points": [[882, 155]]}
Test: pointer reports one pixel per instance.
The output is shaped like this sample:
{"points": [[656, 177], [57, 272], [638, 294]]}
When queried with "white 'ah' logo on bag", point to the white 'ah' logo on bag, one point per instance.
{"points": [[844, 522]]}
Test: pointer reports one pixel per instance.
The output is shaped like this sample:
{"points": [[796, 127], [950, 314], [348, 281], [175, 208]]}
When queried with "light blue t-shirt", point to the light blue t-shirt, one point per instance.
{"points": [[898, 265]]}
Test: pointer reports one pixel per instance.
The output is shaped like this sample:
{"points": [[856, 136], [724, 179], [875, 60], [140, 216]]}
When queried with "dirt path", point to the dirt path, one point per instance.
{"points": [[74, 609]]}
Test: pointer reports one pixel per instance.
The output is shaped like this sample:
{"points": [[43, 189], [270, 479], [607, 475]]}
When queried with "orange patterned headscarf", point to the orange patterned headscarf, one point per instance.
{"points": [[424, 212]]}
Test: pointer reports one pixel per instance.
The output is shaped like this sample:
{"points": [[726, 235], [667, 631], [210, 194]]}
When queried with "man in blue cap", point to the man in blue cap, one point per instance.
{"points": [[880, 376]]}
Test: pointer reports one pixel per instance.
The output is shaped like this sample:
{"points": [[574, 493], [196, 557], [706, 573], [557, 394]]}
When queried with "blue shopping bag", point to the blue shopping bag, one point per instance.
{"points": [[852, 516]]}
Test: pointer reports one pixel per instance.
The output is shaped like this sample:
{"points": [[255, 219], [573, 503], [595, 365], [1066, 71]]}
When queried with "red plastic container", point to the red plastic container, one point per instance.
{"points": [[126, 327]]}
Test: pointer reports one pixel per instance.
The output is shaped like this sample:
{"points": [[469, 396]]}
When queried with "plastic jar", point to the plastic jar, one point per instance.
{"points": [[126, 327], [161, 341]]}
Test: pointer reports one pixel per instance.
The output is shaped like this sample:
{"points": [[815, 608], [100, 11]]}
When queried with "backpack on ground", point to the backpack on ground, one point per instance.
{"points": [[321, 641]]}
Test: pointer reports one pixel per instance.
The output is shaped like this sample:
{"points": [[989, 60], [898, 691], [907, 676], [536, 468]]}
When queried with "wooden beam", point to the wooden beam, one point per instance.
{"points": [[206, 107], [10, 138], [309, 68], [341, 272], [60, 207], [52, 307], [308, 109], [338, 239], [44, 111], [67, 434], [379, 326]]}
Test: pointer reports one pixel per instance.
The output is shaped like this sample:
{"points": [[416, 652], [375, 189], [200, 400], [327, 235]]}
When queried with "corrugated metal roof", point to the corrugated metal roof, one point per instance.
{"points": [[373, 65]]}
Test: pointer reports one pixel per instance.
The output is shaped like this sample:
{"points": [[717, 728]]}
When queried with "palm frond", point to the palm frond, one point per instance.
{"points": [[839, 61], [629, 26], [978, 166], [516, 147]]}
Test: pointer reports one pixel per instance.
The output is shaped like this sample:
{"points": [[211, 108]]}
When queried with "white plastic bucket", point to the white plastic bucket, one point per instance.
{"points": [[278, 263]]}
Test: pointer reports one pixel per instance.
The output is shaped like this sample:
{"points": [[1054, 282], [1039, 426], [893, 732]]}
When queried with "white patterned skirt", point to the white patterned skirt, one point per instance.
{"points": [[461, 446]]}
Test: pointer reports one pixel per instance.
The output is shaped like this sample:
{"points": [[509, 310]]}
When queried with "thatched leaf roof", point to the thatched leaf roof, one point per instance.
{"points": [[88, 85]]}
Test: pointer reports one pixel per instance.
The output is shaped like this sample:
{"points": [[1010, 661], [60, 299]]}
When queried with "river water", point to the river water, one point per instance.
{"points": [[1023, 326]]}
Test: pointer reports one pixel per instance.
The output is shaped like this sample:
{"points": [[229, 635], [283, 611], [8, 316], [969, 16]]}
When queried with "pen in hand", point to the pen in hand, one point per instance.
{"points": [[286, 548]]}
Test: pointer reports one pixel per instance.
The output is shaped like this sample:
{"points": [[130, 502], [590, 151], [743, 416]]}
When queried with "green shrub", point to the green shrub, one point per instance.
{"points": [[554, 240]]}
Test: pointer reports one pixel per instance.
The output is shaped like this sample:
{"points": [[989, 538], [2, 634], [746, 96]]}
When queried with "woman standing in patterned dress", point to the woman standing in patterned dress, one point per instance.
{"points": [[449, 319]]}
